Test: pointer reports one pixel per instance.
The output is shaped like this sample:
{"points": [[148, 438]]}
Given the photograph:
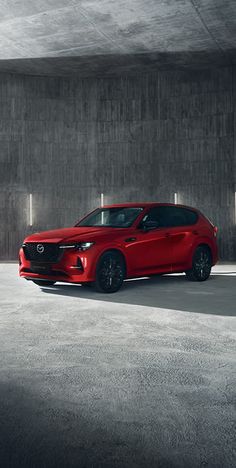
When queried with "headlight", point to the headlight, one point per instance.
{"points": [[84, 245], [67, 246], [79, 246]]}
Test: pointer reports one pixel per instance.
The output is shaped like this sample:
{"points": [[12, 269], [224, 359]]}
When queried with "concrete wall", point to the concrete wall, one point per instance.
{"points": [[137, 138]]}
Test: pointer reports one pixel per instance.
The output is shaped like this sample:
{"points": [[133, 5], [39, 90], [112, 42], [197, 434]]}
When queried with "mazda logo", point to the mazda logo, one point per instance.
{"points": [[40, 248]]}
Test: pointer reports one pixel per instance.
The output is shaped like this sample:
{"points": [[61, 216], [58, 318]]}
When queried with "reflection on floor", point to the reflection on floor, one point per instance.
{"points": [[141, 378]]}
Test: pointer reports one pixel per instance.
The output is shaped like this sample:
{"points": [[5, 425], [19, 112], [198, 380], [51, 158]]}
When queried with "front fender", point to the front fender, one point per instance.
{"points": [[105, 248]]}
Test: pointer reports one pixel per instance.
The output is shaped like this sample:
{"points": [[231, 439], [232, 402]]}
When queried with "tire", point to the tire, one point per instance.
{"points": [[201, 265], [110, 272], [44, 283]]}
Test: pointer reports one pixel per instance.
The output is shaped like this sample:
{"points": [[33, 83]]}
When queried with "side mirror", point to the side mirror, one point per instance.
{"points": [[149, 225]]}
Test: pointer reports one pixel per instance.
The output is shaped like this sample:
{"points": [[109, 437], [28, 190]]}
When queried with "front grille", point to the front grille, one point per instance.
{"points": [[51, 252]]}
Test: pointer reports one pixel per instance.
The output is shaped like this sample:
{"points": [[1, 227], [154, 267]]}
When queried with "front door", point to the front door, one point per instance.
{"points": [[149, 251]]}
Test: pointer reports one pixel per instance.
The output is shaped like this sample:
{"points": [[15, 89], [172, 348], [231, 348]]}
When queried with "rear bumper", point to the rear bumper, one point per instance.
{"points": [[73, 267]]}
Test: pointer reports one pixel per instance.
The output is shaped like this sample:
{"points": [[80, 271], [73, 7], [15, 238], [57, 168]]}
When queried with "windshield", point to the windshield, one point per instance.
{"points": [[112, 217]]}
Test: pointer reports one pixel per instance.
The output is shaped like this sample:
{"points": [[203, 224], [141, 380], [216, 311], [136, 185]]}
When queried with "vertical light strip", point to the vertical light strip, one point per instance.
{"points": [[102, 204], [176, 198], [30, 209]]}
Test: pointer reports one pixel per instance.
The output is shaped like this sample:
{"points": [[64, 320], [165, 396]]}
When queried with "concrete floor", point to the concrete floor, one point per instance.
{"points": [[141, 378]]}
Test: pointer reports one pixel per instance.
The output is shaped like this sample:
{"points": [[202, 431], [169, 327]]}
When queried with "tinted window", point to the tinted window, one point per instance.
{"points": [[154, 214], [171, 216], [191, 216]]}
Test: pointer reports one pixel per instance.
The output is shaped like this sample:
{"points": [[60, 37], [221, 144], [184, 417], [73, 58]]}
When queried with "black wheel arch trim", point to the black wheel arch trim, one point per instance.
{"points": [[204, 244], [113, 250]]}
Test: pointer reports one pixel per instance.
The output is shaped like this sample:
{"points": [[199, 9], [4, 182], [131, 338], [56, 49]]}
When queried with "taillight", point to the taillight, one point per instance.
{"points": [[215, 229]]}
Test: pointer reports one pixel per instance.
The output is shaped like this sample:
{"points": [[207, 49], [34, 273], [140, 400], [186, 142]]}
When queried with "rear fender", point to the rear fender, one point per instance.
{"points": [[204, 241]]}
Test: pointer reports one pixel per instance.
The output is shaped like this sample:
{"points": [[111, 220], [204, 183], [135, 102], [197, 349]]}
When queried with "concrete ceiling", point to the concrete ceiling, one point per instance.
{"points": [[86, 37]]}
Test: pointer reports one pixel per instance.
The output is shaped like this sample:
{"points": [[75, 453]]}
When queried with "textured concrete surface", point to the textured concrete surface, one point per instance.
{"points": [[106, 36], [133, 139], [142, 378]]}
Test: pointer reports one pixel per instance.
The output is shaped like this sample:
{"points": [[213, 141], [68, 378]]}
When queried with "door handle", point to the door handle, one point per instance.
{"points": [[195, 232], [130, 239], [167, 234]]}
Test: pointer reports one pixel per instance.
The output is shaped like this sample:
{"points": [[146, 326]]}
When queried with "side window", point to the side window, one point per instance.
{"points": [[191, 216], [163, 216], [171, 216], [177, 217], [152, 215], [180, 216], [158, 214]]}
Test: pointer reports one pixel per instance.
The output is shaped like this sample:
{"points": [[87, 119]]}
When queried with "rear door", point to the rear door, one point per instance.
{"points": [[183, 231]]}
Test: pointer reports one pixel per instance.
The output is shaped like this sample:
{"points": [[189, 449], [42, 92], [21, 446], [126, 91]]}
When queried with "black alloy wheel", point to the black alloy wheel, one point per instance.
{"points": [[201, 266], [44, 283], [110, 272]]}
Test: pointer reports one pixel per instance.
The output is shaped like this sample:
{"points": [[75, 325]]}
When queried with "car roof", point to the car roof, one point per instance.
{"points": [[146, 205]]}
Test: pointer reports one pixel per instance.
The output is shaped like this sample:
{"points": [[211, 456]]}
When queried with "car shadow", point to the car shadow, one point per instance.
{"points": [[216, 296]]}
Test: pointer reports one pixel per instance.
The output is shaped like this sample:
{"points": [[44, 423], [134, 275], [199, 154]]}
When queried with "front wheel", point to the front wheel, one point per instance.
{"points": [[44, 283], [110, 272], [201, 265]]}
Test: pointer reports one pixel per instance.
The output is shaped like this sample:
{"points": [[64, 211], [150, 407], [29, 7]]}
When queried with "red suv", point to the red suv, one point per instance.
{"points": [[122, 241]]}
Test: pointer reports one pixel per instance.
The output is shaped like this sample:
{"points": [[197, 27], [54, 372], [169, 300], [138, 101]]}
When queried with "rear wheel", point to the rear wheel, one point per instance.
{"points": [[110, 272], [201, 265], [44, 283]]}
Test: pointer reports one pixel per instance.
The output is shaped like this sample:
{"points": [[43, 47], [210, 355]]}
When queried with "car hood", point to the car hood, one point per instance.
{"points": [[70, 234]]}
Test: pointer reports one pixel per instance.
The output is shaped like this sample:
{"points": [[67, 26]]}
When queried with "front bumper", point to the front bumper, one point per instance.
{"points": [[73, 267]]}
